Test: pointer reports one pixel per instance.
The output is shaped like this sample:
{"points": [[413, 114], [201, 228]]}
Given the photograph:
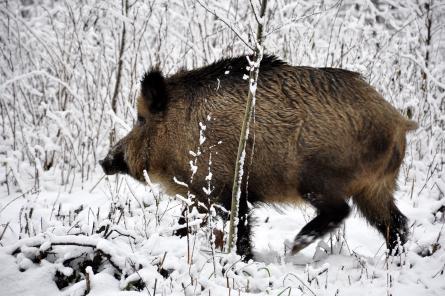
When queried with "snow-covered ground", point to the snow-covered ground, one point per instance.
{"points": [[66, 229], [130, 234]]}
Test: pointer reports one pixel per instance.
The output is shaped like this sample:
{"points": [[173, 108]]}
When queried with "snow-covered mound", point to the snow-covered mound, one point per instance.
{"points": [[69, 78]]}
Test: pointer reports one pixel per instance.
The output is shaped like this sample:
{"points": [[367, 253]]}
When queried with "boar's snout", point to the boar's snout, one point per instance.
{"points": [[114, 162]]}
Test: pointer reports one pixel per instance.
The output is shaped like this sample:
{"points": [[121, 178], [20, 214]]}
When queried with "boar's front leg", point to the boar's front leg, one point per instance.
{"points": [[181, 232], [330, 213], [243, 242]]}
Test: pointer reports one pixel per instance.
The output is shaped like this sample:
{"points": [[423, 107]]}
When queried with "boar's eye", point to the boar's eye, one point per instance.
{"points": [[141, 120]]}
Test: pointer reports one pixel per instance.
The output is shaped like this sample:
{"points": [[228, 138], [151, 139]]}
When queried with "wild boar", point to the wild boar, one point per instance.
{"points": [[320, 135]]}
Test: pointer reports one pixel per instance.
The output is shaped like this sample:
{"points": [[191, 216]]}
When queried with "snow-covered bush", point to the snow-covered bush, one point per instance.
{"points": [[69, 78]]}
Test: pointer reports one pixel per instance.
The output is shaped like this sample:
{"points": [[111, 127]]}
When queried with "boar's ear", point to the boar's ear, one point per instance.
{"points": [[154, 90]]}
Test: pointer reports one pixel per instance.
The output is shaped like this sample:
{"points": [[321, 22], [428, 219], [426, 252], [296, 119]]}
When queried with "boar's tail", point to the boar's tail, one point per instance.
{"points": [[410, 125]]}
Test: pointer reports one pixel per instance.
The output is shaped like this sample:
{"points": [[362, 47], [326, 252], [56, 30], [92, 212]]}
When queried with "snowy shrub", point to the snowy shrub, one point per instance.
{"points": [[69, 78]]}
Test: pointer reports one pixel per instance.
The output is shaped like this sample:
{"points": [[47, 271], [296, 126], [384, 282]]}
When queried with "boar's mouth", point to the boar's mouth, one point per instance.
{"points": [[113, 164]]}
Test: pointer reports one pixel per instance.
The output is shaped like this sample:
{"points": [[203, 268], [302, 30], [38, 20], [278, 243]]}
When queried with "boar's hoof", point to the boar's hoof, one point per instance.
{"points": [[301, 242]]}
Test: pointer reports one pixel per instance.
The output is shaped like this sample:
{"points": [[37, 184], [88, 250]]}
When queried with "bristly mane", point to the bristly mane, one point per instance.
{"points": [[229, 69], [198, 82]]}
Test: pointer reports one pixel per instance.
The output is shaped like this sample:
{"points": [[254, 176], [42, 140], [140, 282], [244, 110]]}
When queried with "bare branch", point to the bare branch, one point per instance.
{"points": [[226, 22]]}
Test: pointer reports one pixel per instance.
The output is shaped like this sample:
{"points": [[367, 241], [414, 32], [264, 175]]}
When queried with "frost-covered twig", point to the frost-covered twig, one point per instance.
{"points": [[300, 18], [228, 24], [425, 70], [254, 67], [119, 69], [301, 281], [99, 244]]}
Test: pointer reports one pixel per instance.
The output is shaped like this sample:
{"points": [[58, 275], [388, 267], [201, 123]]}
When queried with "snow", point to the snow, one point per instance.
{"points": [[62, 220], [351, 264], [35, 281]]}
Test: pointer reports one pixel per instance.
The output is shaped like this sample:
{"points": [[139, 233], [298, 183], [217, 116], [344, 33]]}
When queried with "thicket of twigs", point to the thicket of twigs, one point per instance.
{"points": [[70, 70], [70, 74]]}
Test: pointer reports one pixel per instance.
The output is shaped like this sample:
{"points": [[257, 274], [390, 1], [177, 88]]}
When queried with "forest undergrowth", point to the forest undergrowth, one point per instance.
{"points": [[69, 78]]}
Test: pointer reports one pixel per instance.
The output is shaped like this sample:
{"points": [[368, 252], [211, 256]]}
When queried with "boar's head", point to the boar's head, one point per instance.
{"points": [[131, 155]]}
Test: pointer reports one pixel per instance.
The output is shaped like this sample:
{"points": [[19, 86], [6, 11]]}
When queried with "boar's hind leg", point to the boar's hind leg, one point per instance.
{"points": [[378, 207], [331, 212]]}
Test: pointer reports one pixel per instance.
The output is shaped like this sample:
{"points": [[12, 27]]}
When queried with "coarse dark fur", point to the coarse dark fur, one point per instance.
{"points": [[320, 135]]}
